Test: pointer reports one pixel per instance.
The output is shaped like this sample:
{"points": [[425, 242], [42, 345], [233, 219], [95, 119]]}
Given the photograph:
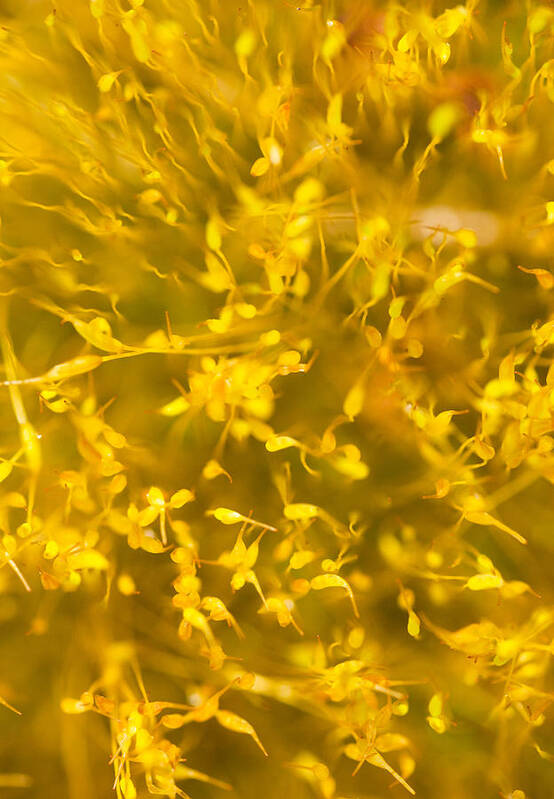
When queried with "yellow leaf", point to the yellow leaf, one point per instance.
{"points": [[87, 559], [414, 624], [126, 585], [155, 496], [97, 8], [114, 438], [276, 443], [334, 115], [135, 31], [301, 511], [378, 760], [180, 498], [5, 470], [78, 366], [259, 167], [73, 706], [213, 235], [482, 582], [354, 400], [485, 519], [309, 191], [245, 44], [391, 742], [300, 559], [148, 515], [443, 120], [334, 581], [175, 407], [213, 469], [436, 705], [109, 467], [237, 724], [227, 516], [127, 786], [106, 82], [437, 724], [61, 405], [172, 721], [355, 469], [150, 196]]}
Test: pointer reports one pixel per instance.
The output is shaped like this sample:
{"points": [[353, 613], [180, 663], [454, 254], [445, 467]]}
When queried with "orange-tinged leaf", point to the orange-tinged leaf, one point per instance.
{"points": [[544, 277]]}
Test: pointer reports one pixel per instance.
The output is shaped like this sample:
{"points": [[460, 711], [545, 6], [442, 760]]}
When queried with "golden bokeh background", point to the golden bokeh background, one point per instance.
{"points": [[276, 399]]}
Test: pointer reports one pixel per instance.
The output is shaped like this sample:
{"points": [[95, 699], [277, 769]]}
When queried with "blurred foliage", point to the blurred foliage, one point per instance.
{"points": [[276, 399]]}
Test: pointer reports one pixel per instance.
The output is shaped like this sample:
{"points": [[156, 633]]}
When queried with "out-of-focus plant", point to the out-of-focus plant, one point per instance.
{"points": [[276, 398]]}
